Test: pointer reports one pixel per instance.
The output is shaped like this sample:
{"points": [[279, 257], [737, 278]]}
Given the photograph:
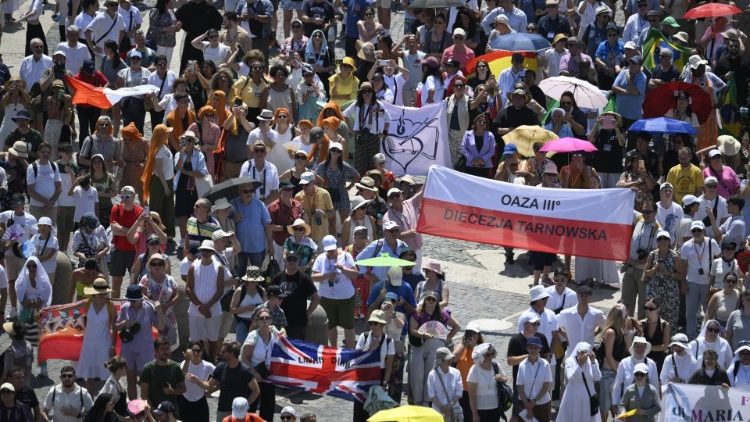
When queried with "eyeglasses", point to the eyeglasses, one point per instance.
{"points": [[264, 318], [612, 35], [650, 308], [283, 116]]}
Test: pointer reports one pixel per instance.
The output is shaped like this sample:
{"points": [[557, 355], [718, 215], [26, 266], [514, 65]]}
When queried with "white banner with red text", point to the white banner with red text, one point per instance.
{"points": [[703, 403], [593, 223]]}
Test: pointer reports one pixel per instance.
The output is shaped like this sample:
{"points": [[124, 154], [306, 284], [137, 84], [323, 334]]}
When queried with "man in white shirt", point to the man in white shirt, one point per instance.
{"points": [[698, 253], [32, 66], [739, 371], [534, 382], [258, 167], [547, 318], [636, 23], [131, 18], [712, 202], [579, 323], [44, 184], [509, 77], [551, 56], [561, 296], [104, 27], [668, 213], [82, 21], [212, 49], [67, 401], [75, 52], [680, 365]]}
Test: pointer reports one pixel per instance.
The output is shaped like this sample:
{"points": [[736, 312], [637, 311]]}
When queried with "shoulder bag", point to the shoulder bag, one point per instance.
{"points": [[593, 400]]}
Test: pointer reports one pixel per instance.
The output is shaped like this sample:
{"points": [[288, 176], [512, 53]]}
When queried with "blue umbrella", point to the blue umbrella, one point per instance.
{"points": [[520, 41], [662, 125]]}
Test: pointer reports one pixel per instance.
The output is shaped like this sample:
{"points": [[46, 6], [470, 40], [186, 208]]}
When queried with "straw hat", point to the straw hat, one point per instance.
{"points": [[297, 223], [100, 286], [377, 316], [155, 257]]}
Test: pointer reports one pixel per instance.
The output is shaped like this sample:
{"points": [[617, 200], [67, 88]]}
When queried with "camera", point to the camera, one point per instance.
{"points": [[700, 271], [642, 253]]}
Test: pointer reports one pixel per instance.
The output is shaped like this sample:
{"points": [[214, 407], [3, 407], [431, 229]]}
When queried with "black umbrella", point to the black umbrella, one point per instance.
{"points": [[229, 189]]}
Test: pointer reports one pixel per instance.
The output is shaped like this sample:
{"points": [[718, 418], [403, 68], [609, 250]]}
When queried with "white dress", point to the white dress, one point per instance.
{"points": [[279, 155], [96, 343], [603, 270], [574, 405]]}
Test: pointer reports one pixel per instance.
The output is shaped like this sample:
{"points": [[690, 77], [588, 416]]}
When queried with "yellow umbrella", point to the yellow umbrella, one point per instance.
{"points": [[524, 137], [407, 414]]}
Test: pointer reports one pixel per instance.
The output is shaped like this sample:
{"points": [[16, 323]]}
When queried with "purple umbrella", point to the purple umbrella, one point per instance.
{"points": [[568, 145]]}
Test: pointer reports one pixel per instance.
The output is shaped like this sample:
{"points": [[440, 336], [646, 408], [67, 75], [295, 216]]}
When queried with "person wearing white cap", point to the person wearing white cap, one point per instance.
{"points": [[334, 269], [405, 213], [318, 207], [204, 288], [668, 213], [679, 365], [686, 177], [44, 184], [641, 395], [258, 167], [639, 348], [9, 404], [46, 246], [713, 210], [538, 296], [459, 51], [690, 207], [389, 245], [581, 372], [697, 255], [288, 414]]}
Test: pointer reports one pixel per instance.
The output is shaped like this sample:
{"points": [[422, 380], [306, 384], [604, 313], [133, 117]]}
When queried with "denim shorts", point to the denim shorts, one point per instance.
{"points": [[604, 389]]}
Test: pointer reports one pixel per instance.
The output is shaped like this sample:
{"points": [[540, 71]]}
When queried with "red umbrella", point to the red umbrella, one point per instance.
{"points": [[712, 10], [660, 99]]}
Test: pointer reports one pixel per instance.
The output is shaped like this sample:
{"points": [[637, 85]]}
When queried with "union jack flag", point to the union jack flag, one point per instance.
{"points": [[337, 372]]}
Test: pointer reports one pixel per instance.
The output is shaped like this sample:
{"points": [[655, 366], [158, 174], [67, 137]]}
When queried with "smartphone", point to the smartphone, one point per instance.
{"points": [[146, 210], [383, 62], [608, 122], [641, 165]]}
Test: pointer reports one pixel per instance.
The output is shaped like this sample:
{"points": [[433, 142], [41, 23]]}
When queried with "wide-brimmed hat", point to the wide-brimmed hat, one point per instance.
{"points": [[254, 274], [366, 183], [98, 287], [19, 150], [729, 146], [538, 293], [433, 266], [349, 62], [297, 223], [265, 115], [681, 37], [680, 340], [559, 37], [358, 202], [641, 340], [21, 115], [155, 257], [366, 52], [134, 292], [377, 316], [221, 204], [207, 245], [695, 61]]}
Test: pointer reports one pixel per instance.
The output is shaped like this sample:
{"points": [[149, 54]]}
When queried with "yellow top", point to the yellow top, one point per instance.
{"points": [[343, 90], [250, 93], [686, 181]]}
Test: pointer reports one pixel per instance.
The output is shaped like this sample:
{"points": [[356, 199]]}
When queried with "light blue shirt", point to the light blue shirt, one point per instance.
{"points": [[516, 19], [251, 229], [369, 252], [630, 106]]}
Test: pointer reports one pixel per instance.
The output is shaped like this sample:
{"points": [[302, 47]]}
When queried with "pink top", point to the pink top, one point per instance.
{"points": [[463, 57], [729, 183]]}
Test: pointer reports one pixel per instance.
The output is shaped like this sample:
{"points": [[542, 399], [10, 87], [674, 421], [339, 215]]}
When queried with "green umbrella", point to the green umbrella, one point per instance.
{"points": [[384, 260]]}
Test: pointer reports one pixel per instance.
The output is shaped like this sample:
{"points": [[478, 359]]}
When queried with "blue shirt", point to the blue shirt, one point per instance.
{"points": [[381, 273], [630, 106], [609, 54], [404, 291], [251, 229]]}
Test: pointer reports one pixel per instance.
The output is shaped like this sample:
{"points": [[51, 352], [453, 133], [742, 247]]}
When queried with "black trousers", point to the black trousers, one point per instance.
{"points": [[296, 332], [35, 31], [266, 401], [87, 117], [133, 110], [466, 406], [193, 411], [157, 117]]}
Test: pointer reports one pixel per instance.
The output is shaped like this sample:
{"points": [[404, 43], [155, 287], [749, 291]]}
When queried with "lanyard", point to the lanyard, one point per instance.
{"points": [[650, 237], [531, 390], [700, 256], [262, 180]]}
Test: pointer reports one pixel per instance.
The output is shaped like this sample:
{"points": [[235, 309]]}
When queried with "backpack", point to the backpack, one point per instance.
{"points": [[35, 167]]}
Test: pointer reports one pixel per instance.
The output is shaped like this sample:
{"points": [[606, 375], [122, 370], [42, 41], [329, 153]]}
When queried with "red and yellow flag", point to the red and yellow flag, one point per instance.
{"points": [[500, 60]]}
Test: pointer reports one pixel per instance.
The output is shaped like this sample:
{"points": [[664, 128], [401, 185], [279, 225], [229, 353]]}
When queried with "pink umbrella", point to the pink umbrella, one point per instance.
{"points": [[568, 145]]}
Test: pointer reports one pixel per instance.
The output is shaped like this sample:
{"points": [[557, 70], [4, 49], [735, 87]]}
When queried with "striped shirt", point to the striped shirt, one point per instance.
{"points": [[204, 286]]}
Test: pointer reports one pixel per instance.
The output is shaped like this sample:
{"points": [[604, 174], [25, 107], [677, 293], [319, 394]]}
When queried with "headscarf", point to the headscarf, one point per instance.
{"points": [[176, 123], [221, 109], [329, 106], [43, 284], [477, 354], [131, 132], [284, 110], [572, 360], [159, 138], [310, 52]]}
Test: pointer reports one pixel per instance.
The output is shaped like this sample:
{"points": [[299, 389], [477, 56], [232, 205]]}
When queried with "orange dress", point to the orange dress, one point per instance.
{"points": [[134, 153]]}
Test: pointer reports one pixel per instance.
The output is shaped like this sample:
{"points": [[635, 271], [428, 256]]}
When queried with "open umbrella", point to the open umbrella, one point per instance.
{"points": [[712, 10], [524, 138], [662, 125], [228, 189], [662, 98], [520, 41], [435, 4], [568, 145], [407, 414], [384, 260], [585, 94]]}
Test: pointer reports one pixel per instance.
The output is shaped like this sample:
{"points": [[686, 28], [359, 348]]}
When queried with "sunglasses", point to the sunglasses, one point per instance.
{"points": [[157, 264], [299, 229], [286, 418], [260, 151], [640, 375], [264, 318], [649, 308], [283, 116], [696, 230], [125, 197], [337, 151], [430, 299]]}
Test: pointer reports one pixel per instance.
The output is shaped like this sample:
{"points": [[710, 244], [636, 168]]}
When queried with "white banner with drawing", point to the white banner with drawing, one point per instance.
{"points": [[417, 139]]}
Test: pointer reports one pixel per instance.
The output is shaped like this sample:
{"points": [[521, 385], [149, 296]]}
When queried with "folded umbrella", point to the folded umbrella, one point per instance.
{"points": [[524, 138], [520, 41], [568, 145], [712, 10], [662, 125], [585, 94], [662, 98]]}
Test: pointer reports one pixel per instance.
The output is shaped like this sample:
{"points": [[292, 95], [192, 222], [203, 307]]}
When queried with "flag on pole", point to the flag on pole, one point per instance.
{"points": [[105, 98], [729, 110], [654, 42], [338, 372]]}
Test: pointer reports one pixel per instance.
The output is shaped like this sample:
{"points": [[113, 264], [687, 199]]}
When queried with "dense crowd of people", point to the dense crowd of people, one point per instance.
{"points": [[302, 130]]}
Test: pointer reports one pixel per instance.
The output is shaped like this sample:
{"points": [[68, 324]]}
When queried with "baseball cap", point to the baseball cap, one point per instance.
{"points": [[329, 243]]}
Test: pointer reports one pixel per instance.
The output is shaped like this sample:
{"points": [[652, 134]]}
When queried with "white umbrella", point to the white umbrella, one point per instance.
{"points": [[585, 94]]}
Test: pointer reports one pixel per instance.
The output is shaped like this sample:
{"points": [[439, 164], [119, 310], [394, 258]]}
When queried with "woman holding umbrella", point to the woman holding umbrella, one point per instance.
{"points": [[682, 110]]}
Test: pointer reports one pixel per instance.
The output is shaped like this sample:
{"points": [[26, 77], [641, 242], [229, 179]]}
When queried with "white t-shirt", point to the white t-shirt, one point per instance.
{"points": [[156, 80], [67, 179], [388, 349], [669, 218], [167, 169], [44, 181], [49, 265], [698, 258], [26, 222], [396, 84], [721, 214], [202, 371], [532, 377], [85, 201], [342, 286], [79, 398], [720, 269], [219, 55], [185, 267], [432, 83], [103, 30], [486, 386], [74, 56]]}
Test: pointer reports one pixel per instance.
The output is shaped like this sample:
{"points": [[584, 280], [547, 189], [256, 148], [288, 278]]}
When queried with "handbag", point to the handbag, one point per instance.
{"points": [[226, 300], [504, 393], [593, 400]]}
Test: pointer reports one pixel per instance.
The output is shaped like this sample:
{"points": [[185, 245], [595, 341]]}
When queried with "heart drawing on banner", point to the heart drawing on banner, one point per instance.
{"points": [[406, 145]]}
